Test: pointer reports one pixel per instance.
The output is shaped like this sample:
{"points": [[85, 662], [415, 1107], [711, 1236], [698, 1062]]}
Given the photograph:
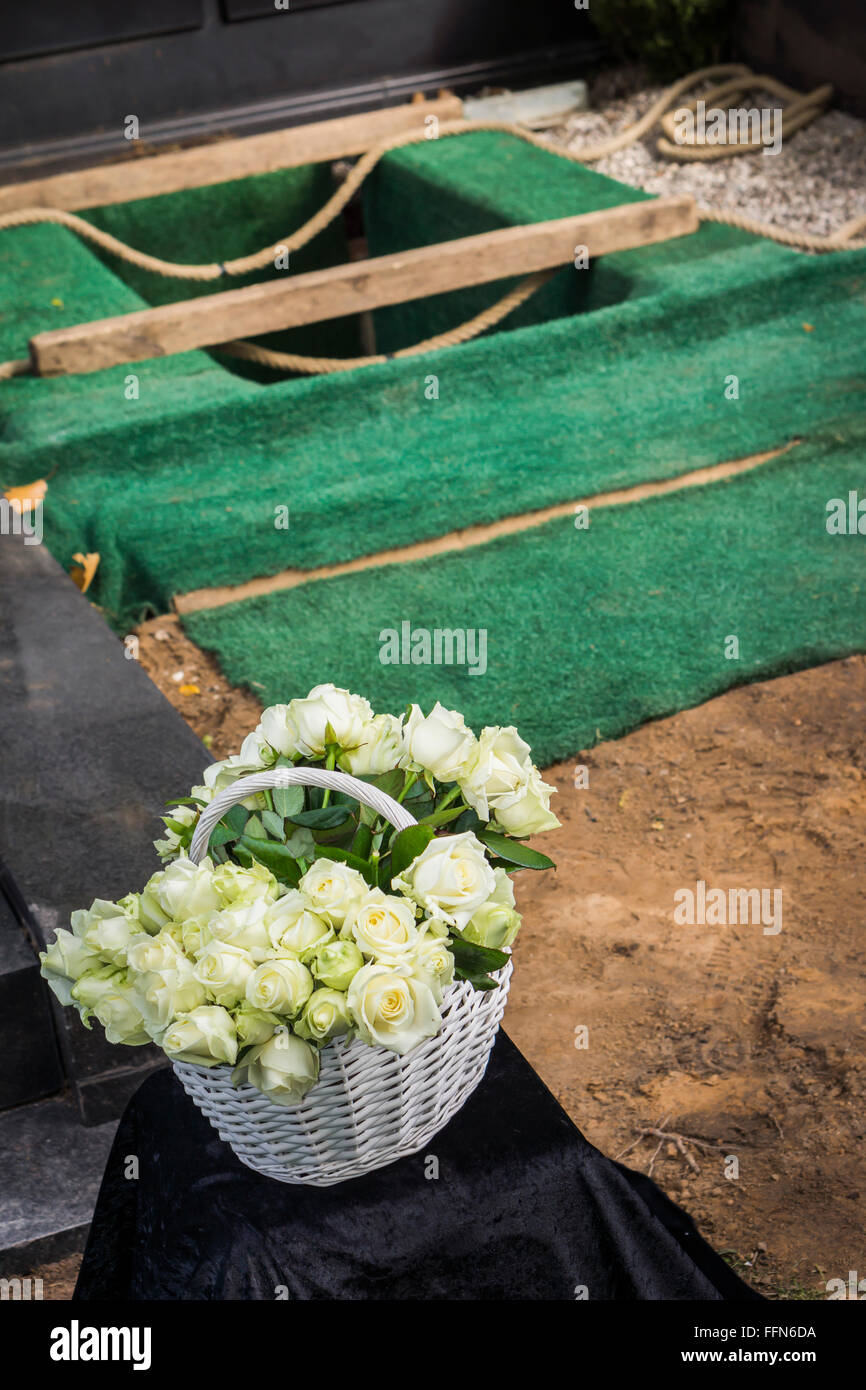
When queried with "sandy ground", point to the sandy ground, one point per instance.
{"points": [[752, 1044]]}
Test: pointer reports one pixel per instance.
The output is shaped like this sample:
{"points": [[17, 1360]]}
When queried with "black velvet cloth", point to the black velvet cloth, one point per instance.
{"points": [[523, 1208]]}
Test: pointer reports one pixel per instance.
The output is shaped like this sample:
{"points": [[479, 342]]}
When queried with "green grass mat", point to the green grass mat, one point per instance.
{"points": [[589, 632], [466, 186], [177, 488]]}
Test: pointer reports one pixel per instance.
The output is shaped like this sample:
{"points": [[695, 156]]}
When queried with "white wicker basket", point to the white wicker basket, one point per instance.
{"points": [[369, 1106]]}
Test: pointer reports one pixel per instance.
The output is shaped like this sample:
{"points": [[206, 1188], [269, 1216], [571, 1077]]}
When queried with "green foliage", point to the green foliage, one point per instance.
{"points": [[672, 37]]}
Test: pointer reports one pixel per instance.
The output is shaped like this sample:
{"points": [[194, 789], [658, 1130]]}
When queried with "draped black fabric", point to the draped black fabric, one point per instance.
{"points": [[523, 1208]]}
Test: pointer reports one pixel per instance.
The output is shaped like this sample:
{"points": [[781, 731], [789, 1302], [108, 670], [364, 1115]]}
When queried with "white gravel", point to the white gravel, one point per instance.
{"points": [[815, 184]]}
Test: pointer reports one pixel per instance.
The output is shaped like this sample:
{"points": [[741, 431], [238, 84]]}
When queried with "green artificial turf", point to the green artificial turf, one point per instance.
{"points": [[465, 186], [178, 487], [589, 632], [223, 222]]}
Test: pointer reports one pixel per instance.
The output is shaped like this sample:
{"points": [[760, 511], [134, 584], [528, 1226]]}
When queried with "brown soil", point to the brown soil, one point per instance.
{"points": [[191, 681], [752, 1042]]}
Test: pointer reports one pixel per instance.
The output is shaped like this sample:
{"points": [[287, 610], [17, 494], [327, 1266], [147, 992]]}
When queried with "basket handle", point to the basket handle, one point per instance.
{"points": [[368, 795]]}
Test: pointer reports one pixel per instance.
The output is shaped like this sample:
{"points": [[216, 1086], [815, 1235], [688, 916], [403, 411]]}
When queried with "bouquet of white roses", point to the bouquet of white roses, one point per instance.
{"points": [[312, 918]]}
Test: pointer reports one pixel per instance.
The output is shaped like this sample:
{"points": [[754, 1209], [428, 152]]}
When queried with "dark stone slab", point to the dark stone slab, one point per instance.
{"points": [[90, 749], [52, 1167], [29, 1062]]}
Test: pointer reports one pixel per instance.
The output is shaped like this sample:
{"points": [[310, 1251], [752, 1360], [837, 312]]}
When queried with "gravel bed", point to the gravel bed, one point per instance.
{"points": [[815, 184]]}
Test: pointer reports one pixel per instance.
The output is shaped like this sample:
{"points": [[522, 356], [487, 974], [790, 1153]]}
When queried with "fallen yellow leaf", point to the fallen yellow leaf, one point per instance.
{"points": [[189, 690], [25, 498], [84, 569]]}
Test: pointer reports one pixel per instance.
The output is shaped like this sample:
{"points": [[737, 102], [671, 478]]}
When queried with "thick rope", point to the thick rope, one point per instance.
{"points": [[18, 367], [311, 366], [800, 110]]}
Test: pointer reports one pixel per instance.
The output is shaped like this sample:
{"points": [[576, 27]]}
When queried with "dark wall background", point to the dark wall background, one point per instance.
{"points": [[71, 70], [807, 43]]}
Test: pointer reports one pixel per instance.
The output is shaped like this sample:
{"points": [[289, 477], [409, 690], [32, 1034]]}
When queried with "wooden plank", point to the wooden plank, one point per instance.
{"points": [[350, 289], [229, 159]]}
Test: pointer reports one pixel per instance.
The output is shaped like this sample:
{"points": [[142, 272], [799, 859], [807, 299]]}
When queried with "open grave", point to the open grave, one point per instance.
{"points": [[227, 491]]}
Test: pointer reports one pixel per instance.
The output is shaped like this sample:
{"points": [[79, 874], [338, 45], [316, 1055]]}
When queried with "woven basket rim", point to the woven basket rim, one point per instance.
{"points": [[450, 995]]}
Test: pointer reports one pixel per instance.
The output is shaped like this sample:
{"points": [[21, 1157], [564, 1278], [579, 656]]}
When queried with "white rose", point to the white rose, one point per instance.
{"points": [[65, 960], [383, 926], [161, 952], [502, 768], [293, 926], [333, 889], [494, 924], [504, 890], [150, 915], [278, 729], [283, 1069], [280, 986], [433, 960], [336, 963], [451, 878], [393, 1008], [245, 927], [380, 749], [105, 929], [186, 889], [165, 994], [326, 707], [527, 811], [440, 742], [255, 754], [110, 998], [204, 1037], [169, 847], [224, 970], [254, 1025], [195, 934], [237, 886], [325, 1016]]}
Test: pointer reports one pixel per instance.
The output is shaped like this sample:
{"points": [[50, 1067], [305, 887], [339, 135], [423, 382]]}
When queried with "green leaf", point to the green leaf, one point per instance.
{"points": [[273, 824], [476, 981], [354, 861], [419, 788], [391, 783], [220, 835], [469, 820], [186, 801], [363, 841], [275, 857], [475, 960], [323, 818], [177, 826], [407, 846], [288, 801], [514, 852], [442, 817], [235, 818], [255, 828]]}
